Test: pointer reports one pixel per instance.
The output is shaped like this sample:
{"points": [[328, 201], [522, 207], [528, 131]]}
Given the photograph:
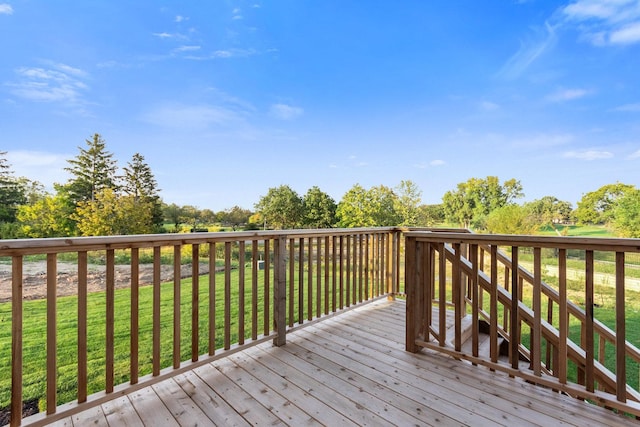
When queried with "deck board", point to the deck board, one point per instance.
{"points": [[350, 369]]}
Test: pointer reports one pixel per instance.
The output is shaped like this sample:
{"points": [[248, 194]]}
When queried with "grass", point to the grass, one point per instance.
{"points": [[578, 230]]}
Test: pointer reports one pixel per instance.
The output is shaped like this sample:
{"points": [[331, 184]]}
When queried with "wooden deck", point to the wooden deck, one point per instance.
{"points": [[348, 370]]}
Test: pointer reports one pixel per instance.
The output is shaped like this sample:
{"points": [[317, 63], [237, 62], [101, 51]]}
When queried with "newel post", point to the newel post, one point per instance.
{"points": [[413, 318], [280, 291]]}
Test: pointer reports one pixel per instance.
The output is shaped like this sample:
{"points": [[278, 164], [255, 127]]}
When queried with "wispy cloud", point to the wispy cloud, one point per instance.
{"points": [[57, 83], [180, 18], [285, 112], [604, 22], [634, 155], [563, 95], [6, 9], [437, 162], [539, 141], [588, 155], [529, 51], [192, 117], [186, 49], [634, 108], [489, 106], [39, 166]]}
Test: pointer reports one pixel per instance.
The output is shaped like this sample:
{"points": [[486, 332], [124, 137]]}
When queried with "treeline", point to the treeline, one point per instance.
{"points": [[102, 199]]}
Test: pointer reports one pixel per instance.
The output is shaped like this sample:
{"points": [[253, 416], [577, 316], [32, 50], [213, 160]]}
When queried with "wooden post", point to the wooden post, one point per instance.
{"points": [[280, 291], [52, 364], [413, 303]]}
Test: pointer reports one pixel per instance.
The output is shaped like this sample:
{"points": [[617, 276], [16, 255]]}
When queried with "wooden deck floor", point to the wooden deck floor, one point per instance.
{"points": [[349, 370]]}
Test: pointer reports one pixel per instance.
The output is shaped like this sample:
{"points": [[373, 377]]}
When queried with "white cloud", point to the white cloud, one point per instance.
{"points": [[285, 112], [437, 162], [190, 117], [529, 52], [186, 48], [60, 83], [605, 22], [6, 9], [567, 95], [542, 141], [588, 155], [635, 108], [626, 35], [634, 155], [163, 35], [180, 18]]}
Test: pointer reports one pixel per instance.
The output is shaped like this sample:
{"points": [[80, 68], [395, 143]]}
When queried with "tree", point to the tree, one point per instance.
{"points": [[109, 214], [92, 170], [626, 214], [235, 217], [12, 193], [319, 209], [174, 214], [511, 219], [476, 198], [430, 215], [281, 208], [49, 216], [407, 204], [368, 208], [596, 207], [549, 211], [140, 183]]}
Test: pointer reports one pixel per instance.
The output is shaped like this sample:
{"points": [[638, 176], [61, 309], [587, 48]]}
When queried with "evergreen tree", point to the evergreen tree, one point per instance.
{"points": [[12, 194], [140, 183], [93, 170]]}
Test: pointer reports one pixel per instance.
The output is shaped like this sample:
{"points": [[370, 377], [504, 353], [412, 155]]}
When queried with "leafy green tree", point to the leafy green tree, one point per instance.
{"points": [[596, 207], [235, 217], [49, 216], [550, 211], [511, 219], [626, 214], [174, 214], [368, 208], [140, 183], [109, 214], [430, 215], [281, 208], [92, 170], [12, 193], [407, 205], [319, 209], [474, 199]]}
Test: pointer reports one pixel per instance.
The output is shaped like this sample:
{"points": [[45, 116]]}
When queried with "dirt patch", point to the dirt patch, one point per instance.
{"points": [[34, 278]]}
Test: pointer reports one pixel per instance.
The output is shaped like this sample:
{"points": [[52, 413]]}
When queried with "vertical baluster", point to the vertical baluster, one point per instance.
{"points": [[267, 286], [212, 299], [334, 264], [135, 315], [82, 326], [563, 320], [195, 301], [319, 276], [241, 290], [413, 318], [341, 272], [475, 308], [548, 360], [326, 273], [536, 335], [310, 281], [361, 238], [227, 295], [621, 367], [291, 281], [52, 362], [156, 309], [110, 320], [280, 290], [493, 305], [349, 262], [367, 270], [428, 284], [589, 339], [301, 280], [514, 339], [177, 253], [458, 296], [16, 340], [254, 289], [442, 294]]}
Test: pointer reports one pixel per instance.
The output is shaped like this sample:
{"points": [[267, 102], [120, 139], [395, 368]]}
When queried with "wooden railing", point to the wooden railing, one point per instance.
{"points": [[260, 285], [547, 328]]}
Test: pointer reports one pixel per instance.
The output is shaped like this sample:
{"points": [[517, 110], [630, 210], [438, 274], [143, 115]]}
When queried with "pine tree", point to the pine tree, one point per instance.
{"points": [[12, 194], [93, 170], [140, 183]]}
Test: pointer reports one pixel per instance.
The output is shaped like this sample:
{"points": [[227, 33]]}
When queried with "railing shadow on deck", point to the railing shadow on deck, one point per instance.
{"points": [[260, 286], [510, 319]]}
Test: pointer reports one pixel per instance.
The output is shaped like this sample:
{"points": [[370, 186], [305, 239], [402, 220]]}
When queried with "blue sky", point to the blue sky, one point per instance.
{"points": [[226, 99]]}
